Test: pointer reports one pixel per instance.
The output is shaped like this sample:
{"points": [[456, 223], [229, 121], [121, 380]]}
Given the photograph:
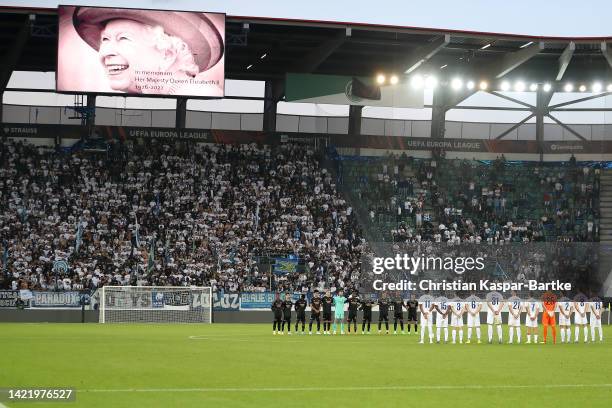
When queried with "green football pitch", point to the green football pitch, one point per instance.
{"points": [[232, 365]]}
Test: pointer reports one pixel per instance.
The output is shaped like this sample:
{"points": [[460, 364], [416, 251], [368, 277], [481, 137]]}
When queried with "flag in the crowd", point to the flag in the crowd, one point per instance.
{"points": [[283, 266], [166, 253], [151, 261], [297, 233], [79, 236], [5, 257], [137, 231], [257, 216], [60, 266]]}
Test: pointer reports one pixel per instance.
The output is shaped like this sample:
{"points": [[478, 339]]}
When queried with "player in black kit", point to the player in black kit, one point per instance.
{"points": [[315, 312], [328, 300], [412, 306], [398, 314], [287, 305], [383, 312], [366, 306], [277, 309], [353, 306], [300, 311]]}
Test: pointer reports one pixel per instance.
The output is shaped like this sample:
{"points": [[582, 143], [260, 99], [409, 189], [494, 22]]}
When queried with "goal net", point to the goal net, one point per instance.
{"points": [[155, 304]]}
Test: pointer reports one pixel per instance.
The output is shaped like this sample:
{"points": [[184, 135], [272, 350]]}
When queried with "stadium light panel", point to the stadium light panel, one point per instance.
{"points": [[263, 56], [526, 44], [417, 81], [547, 87], [505, 86], [380, 79], [470, 85], [519, 86], [533, 87], [483, 85], [484, 47], [597, 87], [444, 66], [582, 88], [456, 84], [250, 66], [568, 87], [394, 79], [609, 88], [431, 82]]}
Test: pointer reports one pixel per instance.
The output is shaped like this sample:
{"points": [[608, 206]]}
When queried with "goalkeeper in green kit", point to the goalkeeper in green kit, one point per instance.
{"points": [[339, 311]]}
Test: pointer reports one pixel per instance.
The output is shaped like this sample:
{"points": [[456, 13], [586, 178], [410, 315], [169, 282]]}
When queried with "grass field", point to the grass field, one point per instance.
{"points": [[225, 365]]}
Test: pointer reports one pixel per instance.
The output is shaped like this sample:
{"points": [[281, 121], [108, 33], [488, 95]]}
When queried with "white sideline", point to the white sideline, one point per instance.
{"points": [[366, 388]]}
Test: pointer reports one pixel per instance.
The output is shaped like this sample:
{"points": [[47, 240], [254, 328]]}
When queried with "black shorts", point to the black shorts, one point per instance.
{"points": [[278, 316], [398, 316], [367, 316], [352, 316], [287, 317], [383, 316], [301, 317], [412, 316], [315, 316], [327, 316]]}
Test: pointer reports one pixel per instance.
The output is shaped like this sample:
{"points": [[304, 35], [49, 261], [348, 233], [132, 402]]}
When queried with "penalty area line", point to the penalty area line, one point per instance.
{"points": [[366, 388]]}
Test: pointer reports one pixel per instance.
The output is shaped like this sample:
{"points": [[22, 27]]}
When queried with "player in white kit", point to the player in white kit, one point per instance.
{"points": [[426, 309], [566, 308], [495, 305], [515, 307], [533, 309], [580, 317], [473, 307], [457, 311], [596, 307], [442, 312]]}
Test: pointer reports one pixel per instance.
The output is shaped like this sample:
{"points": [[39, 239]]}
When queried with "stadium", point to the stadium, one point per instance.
{"points": [[250, 205]]}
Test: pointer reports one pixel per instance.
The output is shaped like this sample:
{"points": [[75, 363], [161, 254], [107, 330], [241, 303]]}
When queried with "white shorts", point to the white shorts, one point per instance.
{"points": [[578, 319], [564, 321], [426, 322], [493, 319], [457, 321], [531, 323], [473, 321], [594, 322], [441, 322], [514, 321]]}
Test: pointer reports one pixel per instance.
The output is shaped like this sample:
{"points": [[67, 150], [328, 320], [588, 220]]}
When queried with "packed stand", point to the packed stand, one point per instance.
{"points": [[179, 214]]}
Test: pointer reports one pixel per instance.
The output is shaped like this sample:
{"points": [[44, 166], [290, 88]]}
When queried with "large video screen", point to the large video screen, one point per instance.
{"points": [[140, 52]]}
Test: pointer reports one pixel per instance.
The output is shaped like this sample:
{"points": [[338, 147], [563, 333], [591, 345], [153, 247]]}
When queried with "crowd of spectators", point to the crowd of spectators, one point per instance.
{"points": [[444, 200], [173, 214]]}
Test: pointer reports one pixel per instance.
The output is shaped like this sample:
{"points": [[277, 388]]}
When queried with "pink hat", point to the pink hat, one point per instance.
{"points": [[198, 32]]}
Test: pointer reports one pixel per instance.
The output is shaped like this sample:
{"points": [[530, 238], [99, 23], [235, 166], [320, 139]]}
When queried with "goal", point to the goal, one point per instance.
{"points": [[155, 304]]}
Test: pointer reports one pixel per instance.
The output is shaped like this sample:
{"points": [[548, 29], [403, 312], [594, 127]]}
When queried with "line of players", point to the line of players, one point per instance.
{"points": [[321, 309]]}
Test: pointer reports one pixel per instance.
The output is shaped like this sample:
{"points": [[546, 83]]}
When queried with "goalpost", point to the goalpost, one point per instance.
{"points": [[155, 304]]}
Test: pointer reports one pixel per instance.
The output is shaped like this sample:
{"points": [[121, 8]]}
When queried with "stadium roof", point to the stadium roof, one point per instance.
{"points": [[273, 47]]}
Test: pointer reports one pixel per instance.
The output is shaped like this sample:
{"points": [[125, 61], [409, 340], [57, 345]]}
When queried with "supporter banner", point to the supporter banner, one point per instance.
{"points": [[55, 299], [256, 300], [8, 298], [346, 90], [224, 302], [262, 300]]}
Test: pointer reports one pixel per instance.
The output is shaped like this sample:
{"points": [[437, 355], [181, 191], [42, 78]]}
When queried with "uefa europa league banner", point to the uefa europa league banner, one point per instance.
{"points": [[140, 52]]}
